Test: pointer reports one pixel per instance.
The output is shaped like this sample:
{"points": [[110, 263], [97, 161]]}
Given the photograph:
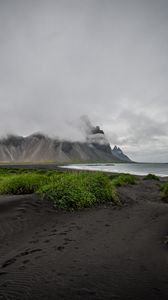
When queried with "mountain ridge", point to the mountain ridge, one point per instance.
{"points": [[40, 147]]}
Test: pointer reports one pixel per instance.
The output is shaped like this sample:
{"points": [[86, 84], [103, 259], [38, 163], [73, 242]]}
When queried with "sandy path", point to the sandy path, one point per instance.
{"points": [[100, 253]]}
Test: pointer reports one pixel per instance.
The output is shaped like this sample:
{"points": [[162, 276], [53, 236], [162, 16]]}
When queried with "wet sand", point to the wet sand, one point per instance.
{"points": [[100, 253]]}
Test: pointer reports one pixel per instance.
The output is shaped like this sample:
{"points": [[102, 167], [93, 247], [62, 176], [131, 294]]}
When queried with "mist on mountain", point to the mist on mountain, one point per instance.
{"points": [[40, 147]]}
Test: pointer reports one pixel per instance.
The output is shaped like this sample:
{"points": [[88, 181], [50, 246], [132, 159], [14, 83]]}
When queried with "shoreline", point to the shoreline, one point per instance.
{"points": [[66, 167]]}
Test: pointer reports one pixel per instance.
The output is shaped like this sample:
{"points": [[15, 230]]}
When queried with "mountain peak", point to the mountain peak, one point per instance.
{"points": [[96, 130], [119, 154]]}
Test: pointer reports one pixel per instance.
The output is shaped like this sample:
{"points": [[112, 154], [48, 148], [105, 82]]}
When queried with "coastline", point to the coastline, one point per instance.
{"points": [[117, 168]]}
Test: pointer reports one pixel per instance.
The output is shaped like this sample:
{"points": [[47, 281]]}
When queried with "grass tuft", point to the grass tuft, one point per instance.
{"points": [[77, 190], [22, 184], [151, 177], [123, 179], [164, 189]]}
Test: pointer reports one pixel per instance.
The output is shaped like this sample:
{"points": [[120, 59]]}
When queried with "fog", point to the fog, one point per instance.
{"points": [[62, 59]]}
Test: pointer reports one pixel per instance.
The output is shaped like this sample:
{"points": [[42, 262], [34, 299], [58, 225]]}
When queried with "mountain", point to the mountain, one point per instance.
{"points": [[39, 147], [117, 152]]}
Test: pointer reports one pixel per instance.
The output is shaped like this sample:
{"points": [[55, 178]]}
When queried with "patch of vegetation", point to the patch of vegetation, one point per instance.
{"points": [[66, 189], [164, 189], [99, 184], [17, 171], [66, 194], [78, 190], [114, 175], [151, 177], [22, 184], [123, 179]]}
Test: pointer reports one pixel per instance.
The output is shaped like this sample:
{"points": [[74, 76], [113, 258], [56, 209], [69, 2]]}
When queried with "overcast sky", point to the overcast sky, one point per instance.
{"points": [[60, 59]]}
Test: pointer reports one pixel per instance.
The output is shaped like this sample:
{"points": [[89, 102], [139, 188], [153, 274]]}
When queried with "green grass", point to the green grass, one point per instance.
{"points": [[164, 189], [123, 179], [16, 171], [151, 177], [22, 184], [67, 193], [77, 190], [65, 189]]}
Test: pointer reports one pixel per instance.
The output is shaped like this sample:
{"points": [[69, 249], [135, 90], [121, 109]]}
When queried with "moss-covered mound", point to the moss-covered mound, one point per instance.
{"points": [[22, 184], [164, 189], [65, 189], [151, 177], [77, 190]]}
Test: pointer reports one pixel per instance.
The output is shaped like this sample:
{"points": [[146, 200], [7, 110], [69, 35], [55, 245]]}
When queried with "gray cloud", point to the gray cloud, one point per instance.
{"points": [[60, 59], [141, 136]]}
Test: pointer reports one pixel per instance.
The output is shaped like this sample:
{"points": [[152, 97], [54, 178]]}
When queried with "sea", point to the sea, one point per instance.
{"points": [[159, 169]]}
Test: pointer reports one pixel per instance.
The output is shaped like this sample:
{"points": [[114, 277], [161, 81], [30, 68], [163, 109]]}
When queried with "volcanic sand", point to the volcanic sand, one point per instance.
{"points": [[99, 253]]}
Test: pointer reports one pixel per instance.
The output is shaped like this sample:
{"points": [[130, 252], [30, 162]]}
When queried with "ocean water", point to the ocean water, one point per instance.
{"points": [[159, 169]]}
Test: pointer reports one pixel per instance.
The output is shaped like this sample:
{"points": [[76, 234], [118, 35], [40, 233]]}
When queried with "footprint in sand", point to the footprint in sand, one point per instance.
{"points": [[60, 248], [26, 261], [22, 268], [63, 233], [2, 273], [8, 262], [13, 260], [52, 234], [34, 242], [69, 240]]}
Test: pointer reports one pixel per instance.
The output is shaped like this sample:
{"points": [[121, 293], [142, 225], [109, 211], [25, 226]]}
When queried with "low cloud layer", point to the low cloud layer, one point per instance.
{"points": [[61, 59]]}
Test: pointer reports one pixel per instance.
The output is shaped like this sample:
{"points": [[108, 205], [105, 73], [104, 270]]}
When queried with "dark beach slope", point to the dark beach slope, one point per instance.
{"points": [[99, 253]]}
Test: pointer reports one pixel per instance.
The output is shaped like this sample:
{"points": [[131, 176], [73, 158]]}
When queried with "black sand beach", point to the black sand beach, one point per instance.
{"points": [[100, 253]]}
